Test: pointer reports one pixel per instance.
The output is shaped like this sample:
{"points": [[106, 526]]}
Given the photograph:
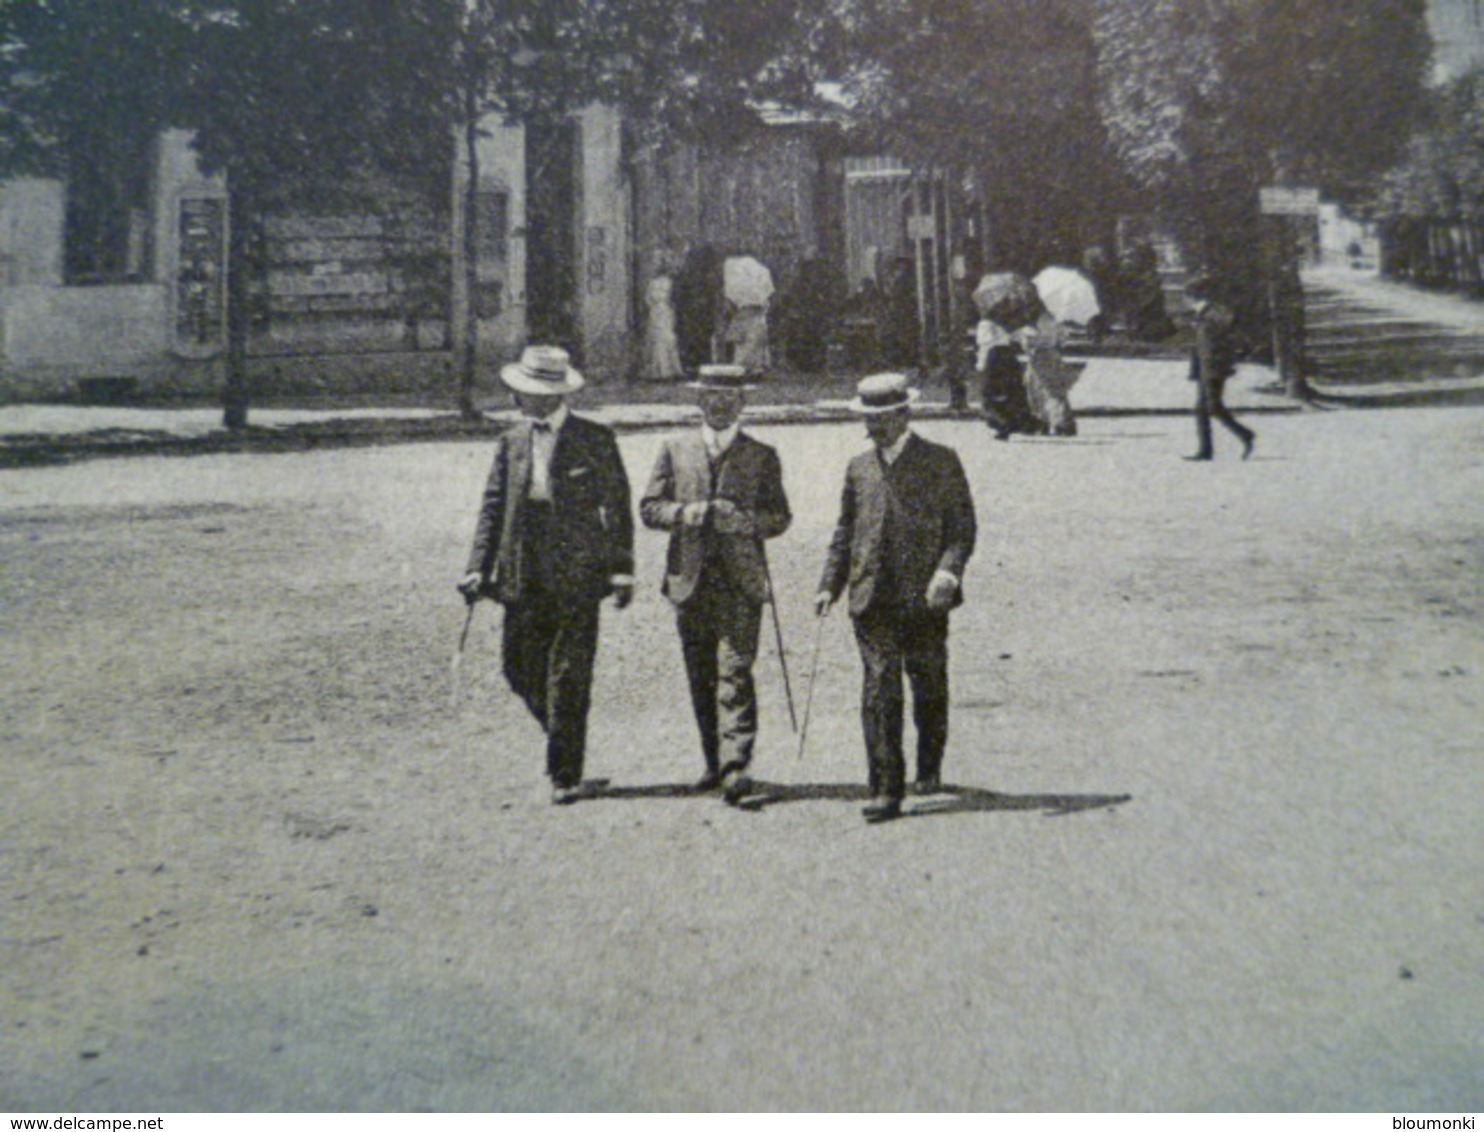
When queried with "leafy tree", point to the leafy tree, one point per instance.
{"points": [[1205, 101], [1002, 89], [84, 87], [288, 93], [1441, 174]]}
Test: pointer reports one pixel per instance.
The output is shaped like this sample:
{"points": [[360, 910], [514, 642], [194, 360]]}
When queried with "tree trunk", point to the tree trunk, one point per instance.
{"points": [[465, 265], [237, 394]]}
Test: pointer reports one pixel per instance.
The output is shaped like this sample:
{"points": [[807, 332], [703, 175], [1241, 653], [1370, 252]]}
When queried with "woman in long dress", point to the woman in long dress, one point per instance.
{"points": [[1002, 390], [1048, 376], [661, 347]]}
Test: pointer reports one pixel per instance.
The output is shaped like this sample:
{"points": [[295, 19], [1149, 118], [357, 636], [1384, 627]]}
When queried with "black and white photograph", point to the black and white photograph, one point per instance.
{"points": [[668, 556]]}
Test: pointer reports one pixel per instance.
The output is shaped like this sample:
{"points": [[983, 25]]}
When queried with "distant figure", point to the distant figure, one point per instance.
{"points": [[698, 305], [1213, 359], [900, 329], [1048, 377], [745, 339], [859, 329], [1143, 296], [807, 314], [956, 362], [661, 347], [1002, 395], [1098, 266], [747, 290]]}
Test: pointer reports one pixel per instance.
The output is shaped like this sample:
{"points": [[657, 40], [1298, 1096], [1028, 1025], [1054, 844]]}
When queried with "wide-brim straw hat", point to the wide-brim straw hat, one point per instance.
{"points": [[723, 378], [542, 370], [883, 393]]}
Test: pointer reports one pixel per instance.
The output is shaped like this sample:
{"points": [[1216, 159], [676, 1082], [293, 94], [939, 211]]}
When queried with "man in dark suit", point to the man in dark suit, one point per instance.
{"points": [[905, 533], [554, 538], [1213, 359], [719, 493]]}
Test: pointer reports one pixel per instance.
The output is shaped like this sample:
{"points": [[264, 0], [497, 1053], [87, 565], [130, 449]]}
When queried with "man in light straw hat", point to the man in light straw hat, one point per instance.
{"points": [[905, 533], [719, 493], [555, 536]]}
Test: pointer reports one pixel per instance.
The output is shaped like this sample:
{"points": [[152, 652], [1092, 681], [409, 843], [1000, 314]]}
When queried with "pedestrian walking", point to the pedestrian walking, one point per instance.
{"points": [[661, 361], [554, 538], [1048, 377], [719, 493], [905, 533], [1213, 359]]}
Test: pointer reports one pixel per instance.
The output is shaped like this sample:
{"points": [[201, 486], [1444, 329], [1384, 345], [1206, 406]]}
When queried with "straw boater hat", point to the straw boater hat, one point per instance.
{"points": [[727, 378], [882, 393], [542, 369]]}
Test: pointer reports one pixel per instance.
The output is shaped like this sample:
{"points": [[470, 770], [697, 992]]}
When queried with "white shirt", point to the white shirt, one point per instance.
{"points": [[891, 455], [543, 444], [718, 442]]}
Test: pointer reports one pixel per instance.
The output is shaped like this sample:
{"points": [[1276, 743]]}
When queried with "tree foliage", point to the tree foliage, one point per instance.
{"points": [[1001, 89], [1441, 174], [1207, 100]]}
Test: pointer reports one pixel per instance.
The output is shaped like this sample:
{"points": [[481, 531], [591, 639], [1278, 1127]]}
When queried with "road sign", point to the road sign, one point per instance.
{"points": [[1276, 201]]}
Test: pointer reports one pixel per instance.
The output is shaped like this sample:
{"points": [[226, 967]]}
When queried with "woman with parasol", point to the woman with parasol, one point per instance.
{"points": [[1005, 301]]}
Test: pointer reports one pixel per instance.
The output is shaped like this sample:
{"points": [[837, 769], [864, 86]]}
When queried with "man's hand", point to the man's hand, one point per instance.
{"points": [[693, 514], [729, 519], [623, 594], [470, 585], [822, 603], [940, 591]]}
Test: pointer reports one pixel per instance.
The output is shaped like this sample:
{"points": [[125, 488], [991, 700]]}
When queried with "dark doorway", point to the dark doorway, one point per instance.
{"points": [[552, 169]]}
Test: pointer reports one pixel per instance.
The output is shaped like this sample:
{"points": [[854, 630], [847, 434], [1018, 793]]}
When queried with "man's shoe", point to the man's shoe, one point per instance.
{"points": [[928, 784], [738, 786], [1248, 445], [565, 795], [1197, 456], [881, 809], [708, 782]]}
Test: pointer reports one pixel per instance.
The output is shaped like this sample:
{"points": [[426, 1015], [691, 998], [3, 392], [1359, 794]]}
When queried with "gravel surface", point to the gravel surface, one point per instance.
{"points": [[1214, 842]]}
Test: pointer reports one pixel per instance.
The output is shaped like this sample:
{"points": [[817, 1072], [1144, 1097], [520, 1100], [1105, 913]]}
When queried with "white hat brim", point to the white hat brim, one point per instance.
{"points": [[859, 406], [516, 377]]}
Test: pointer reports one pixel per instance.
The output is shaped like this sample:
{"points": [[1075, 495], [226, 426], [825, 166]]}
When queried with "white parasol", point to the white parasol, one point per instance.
{"points": [[746, 282], [1068, 294]]}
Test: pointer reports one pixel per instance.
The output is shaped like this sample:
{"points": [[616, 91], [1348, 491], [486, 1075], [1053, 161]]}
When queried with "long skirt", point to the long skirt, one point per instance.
{"points": [[1002, 394]]}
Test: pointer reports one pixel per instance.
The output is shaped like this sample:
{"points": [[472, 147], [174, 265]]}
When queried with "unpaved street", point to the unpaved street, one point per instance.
{"points": [[1216, 844]]}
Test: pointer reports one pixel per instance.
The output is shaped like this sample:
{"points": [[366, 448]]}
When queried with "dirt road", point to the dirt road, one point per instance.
{"points": [[1218, 842]]}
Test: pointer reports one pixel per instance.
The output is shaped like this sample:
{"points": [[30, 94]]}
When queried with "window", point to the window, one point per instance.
{"points": [[108, 234]]}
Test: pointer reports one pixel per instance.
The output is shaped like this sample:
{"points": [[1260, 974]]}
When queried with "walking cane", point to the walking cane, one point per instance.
{"points": [[788, 691], [453, 668], [809, 694]]}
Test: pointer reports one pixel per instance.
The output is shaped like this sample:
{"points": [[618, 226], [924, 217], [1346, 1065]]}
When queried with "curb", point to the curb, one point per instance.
{"points": [[47, 450]]}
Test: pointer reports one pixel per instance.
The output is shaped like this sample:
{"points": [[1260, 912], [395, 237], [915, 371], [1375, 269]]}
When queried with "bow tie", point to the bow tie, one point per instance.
{"points": [[541, 426]]}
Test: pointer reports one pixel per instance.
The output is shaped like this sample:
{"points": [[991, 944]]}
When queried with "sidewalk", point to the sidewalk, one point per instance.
{"points": [[32, 434]]}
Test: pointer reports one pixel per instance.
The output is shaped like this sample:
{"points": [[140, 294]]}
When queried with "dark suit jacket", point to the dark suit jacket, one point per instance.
{"points": [[592, 527], [1213, 358], [937, 529], [749, 475]]}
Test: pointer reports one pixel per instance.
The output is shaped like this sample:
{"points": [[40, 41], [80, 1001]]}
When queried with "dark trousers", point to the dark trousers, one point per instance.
{"points": [[719, 628], [1208, 404], [548, 646], [893, 642]]}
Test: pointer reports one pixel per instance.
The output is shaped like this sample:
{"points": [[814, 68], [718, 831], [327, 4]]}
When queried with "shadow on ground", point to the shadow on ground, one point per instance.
{"points": [[947, 799]]}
